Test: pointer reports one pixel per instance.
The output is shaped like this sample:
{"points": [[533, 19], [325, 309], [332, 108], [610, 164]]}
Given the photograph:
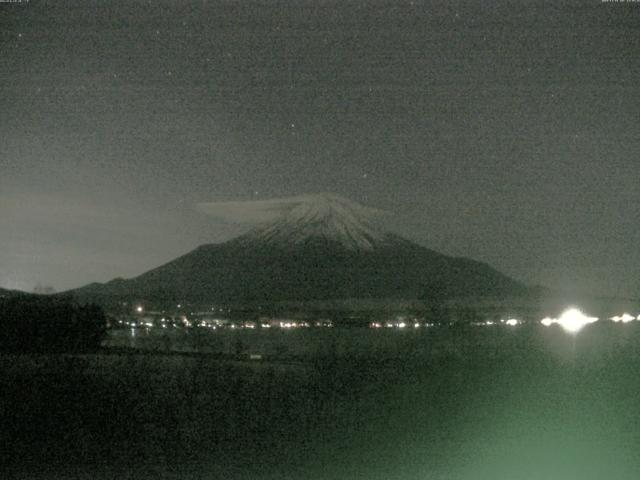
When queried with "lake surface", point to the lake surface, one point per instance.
{"points": [[426, 342], [446, 403]]}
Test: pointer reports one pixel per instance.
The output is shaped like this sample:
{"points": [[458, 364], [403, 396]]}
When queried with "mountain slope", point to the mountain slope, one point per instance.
{"points": [[321, 247]]}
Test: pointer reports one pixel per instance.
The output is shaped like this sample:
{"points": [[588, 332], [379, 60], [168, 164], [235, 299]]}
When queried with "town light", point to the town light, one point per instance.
{"points": [[547, 321], [573, 320], [624, 318]]}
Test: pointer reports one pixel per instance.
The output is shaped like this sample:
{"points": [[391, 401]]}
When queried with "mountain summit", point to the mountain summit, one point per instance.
{"points": [[311, 247], [324, 217]]}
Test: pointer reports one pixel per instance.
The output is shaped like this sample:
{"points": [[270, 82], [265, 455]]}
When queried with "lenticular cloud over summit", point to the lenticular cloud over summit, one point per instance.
{"points": [[296, 220], [252, 212], [261, 211]]}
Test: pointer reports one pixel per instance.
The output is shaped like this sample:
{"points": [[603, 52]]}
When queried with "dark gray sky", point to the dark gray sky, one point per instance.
{"points": [[508, 132]]}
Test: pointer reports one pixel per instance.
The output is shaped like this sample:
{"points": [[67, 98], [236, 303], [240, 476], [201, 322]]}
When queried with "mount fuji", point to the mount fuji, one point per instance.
{"points": [[311, 247]]}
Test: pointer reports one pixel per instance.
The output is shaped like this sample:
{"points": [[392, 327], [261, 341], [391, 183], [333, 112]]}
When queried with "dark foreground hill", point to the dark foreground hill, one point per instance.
{"points": [[4, 293]]}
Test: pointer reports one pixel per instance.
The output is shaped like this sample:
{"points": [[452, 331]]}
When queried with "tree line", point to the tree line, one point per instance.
{"points": [[34, 323]]}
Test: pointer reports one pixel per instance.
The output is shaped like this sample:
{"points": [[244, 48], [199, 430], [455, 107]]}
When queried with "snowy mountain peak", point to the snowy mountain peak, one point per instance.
{"points": [[322, 216]]}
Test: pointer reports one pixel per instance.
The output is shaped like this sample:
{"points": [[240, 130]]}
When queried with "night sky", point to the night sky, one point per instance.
{"points": [[508, 132]]}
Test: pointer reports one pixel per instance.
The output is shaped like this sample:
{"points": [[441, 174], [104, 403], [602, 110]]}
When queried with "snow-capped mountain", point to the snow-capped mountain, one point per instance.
{"points": [[322, 217], [311, 247]]}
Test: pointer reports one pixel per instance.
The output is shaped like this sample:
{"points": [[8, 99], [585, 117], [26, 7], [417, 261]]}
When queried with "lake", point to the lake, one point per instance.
{"points": [[477, 403]]}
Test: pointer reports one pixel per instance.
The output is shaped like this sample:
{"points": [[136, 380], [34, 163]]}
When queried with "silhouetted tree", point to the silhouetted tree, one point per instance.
{"points": [[48, 324]]}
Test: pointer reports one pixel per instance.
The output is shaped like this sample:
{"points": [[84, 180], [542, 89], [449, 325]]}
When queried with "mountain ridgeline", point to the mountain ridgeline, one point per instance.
{"points": [[322, 247]]}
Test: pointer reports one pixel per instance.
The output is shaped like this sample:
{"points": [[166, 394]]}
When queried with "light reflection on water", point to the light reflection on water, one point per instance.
{"points": [[595, 339]]}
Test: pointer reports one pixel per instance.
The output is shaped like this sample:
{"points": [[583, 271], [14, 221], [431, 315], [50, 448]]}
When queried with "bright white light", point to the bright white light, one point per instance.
{"points": [[416, 325], [512, 322], [573, 320], [547, 321], [401, 325], [139, 309], [624, 318]]}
